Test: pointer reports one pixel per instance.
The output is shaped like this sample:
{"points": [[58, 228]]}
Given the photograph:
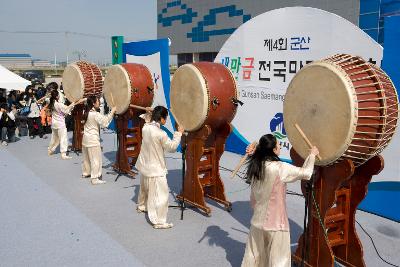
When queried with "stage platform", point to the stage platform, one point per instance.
{"points": [[52, 217]]}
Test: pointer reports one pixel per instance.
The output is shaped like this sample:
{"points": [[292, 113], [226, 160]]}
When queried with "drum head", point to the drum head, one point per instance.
{"points": [[117, 88], [73, 83], [321, 101], [189, 97]]}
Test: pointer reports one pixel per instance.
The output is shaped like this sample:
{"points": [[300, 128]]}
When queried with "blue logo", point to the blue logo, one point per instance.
{"points": [[186, 16], [176, 11], [277, 127], [200, 34]]}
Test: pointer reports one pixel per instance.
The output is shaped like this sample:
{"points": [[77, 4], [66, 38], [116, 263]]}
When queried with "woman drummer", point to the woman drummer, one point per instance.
{"points": [[58, 129], [153, 194], [91, 151], [268, 243]]}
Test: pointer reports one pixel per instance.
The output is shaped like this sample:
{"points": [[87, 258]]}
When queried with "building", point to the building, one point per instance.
{"points": [[198, 29], [16, 60], [373, 14], [42, 63]]}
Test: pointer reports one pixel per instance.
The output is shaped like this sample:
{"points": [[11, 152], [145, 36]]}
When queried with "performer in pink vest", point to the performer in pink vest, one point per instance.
{"points": [[269, 238]]}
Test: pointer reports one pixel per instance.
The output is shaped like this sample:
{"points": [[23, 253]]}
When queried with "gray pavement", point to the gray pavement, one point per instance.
{"points": [[52, 217]]}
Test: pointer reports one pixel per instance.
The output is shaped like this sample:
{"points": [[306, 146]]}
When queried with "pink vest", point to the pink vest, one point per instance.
{"points": [[276, 219]]}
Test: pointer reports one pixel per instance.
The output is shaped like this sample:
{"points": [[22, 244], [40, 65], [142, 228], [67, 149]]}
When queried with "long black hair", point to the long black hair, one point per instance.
{"points": [[264, 152], [90, 101], [158, 113], [53, 99]]}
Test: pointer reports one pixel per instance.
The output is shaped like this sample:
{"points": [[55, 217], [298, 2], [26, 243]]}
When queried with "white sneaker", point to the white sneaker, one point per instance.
{"points": [[163, 226], [97, 181], [64, 156], [140, 209], [4, 143]]}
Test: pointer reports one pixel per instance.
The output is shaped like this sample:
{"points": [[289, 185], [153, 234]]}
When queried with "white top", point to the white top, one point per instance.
{"points": [[155, 142], [10, 115], [35, 109], [61, 97], [58, 115], [91, 130]]}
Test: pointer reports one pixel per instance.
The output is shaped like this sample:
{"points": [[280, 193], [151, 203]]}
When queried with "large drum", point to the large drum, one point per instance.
{"points": [[126, 84], [203, 93], [82, 79], [346, 106]]}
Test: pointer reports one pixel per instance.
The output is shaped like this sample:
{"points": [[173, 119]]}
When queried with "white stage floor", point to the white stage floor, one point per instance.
{"points": [[52, 217]]}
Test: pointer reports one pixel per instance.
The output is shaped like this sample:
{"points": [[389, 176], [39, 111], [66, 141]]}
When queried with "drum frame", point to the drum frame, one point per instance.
{"points": [[91, 84], [206, 144], [130, 139], [333, 195]]}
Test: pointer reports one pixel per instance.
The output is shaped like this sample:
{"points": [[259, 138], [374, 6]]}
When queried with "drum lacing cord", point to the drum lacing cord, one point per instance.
{"points": [[319, 216]]}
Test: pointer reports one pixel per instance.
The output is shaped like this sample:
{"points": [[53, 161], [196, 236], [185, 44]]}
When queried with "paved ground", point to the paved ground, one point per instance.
{"points": [[52, 217]]}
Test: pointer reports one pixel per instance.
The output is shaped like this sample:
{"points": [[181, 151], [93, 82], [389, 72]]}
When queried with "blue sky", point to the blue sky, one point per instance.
{"points": [[134, 19]]}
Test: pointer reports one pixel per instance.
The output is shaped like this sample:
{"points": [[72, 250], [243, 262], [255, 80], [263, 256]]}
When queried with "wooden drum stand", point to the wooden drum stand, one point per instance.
{"points": [[204, 149], [333, 196], [77, 114], [129, 141]]}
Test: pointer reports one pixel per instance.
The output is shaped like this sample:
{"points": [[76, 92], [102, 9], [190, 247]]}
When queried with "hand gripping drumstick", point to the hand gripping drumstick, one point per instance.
{"points": [[241, 162], [305, 138], [138, 107]]}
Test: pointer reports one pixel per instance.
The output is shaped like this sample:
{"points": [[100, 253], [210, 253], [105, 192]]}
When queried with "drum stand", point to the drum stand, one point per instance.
{"points": [[333, 197], [129, 142], [77, 113], [202, 177]]}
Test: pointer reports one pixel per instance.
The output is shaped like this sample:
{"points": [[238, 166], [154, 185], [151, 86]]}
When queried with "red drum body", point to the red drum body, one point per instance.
{"points": [[126, 84], [203, 93], [82, 79], [347, 107]]}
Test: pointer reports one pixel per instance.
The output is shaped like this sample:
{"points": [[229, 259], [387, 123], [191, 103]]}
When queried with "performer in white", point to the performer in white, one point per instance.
{"points": [[268, 244], [91, 150], [58, 128], [153, 195]]}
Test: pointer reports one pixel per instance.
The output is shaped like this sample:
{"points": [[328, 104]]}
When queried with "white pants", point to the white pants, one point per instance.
{"points": [[153, 197], [92, 161], [267, 249], [58, 137]]}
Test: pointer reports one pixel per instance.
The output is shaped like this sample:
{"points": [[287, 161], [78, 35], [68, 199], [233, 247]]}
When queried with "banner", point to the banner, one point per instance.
{"points": [[154, 54], [267, 51]]}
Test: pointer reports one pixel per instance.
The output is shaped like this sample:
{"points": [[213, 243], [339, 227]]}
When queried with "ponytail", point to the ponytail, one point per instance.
{"points": [[91, 100], [53, 98]]}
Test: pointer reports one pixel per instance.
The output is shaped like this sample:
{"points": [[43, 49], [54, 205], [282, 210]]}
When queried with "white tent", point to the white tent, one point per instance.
{"points": [[11, 81]]}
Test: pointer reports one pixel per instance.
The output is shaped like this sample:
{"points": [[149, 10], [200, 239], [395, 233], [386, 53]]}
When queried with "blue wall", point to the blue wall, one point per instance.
{"points": [[372, 14], [391, 53]]}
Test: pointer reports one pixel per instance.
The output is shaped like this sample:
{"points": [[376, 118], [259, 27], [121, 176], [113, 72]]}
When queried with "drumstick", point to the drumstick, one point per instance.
{"points": [[80, 100], [305, 138], [139, 107], [112, 100], [241, 162]]}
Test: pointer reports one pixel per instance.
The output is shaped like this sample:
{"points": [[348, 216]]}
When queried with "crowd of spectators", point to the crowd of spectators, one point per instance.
{"points": [[24, 113]]}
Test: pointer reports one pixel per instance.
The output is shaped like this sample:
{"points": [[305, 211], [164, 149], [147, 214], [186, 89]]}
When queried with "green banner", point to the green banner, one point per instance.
{"points": [[116, 44]]}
